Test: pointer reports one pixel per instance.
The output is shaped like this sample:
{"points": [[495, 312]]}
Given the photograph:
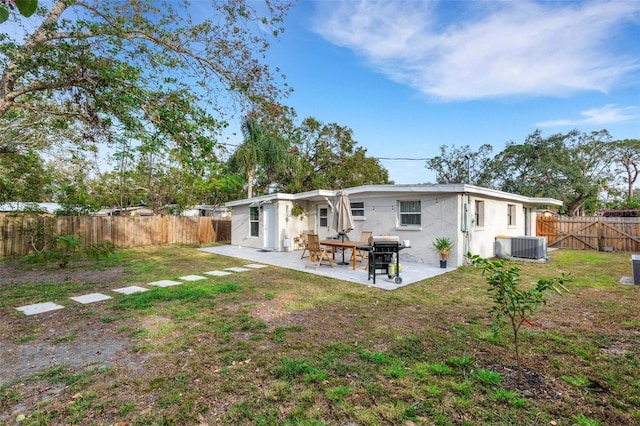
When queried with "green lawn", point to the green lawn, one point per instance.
{"points": [[274, 346]]}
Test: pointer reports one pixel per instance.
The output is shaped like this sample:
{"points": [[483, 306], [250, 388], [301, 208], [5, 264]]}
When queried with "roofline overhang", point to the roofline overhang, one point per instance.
{"points": [[451, 189]]}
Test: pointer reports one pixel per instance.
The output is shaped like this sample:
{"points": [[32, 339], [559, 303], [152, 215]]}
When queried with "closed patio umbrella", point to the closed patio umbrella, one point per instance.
{"points": [[342, 218]]}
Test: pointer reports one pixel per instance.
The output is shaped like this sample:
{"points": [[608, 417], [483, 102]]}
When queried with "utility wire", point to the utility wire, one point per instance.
{"points": [[235, 145]]}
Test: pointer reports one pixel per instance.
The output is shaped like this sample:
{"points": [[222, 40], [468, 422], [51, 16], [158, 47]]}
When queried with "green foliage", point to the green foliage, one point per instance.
{"points": [[324, 156], [25, 7], [53, 247], [23, 176], [571, 167], [150, 74], [297, 210], [75, 200], [101, 250], [632, 203], [488, 377], [66, 247], [510, 300], [461, 165]]}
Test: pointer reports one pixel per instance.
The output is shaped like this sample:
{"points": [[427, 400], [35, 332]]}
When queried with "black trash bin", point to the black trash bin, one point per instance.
{"points": [[635, 263]]}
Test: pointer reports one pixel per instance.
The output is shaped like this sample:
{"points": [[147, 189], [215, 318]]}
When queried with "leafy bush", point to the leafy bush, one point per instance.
{"points": [[510, 300]]}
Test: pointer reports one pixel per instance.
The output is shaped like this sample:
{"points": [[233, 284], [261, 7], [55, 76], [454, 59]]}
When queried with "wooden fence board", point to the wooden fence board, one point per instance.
{"points": [[121, 231], [620, 234]]}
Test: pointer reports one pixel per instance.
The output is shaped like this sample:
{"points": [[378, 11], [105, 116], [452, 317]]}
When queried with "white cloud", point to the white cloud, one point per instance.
{"points": [[608, 114], [489, 49]]}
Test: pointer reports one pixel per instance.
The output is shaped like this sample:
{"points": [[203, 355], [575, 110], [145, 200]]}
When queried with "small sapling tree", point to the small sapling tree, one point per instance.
{"points": [[512, 302]]}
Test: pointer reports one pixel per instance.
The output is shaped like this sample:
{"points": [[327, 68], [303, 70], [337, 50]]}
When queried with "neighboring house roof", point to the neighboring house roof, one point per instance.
{"points": [[323, 194], [128, 211], [16, 206]]}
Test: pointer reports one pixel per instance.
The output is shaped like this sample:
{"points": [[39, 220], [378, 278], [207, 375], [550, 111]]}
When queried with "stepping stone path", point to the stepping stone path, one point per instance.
{"points": [[237, 269], [192, 278], [130, 290], [255, 266], [218, 273], [90, 298], [39, 308], [165, 283]]}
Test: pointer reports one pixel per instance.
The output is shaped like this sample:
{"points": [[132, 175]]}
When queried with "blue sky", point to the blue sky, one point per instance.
{"points": [[407, 77]]}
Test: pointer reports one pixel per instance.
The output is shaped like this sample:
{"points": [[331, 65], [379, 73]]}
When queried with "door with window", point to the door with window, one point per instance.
{"points": [[323, 225]]}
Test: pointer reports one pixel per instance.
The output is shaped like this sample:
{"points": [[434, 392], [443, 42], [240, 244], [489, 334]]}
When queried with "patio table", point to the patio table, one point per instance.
{"points": [[343, 245]]}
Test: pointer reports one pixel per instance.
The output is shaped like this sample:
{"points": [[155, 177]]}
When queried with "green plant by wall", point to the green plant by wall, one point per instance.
{"points": [[297, 210], [511, 301], [443, 246]]}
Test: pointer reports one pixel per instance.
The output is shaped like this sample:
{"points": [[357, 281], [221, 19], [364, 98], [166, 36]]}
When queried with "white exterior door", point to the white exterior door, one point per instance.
{"points": [[324, 221], [269, 227]]}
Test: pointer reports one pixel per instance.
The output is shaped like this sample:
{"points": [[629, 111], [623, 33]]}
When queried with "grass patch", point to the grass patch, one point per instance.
{"points": [[274, 346]]}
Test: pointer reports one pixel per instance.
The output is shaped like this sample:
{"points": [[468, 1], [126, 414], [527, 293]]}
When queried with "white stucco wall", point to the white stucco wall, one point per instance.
{"points": [[482, 238], [442, 215]]}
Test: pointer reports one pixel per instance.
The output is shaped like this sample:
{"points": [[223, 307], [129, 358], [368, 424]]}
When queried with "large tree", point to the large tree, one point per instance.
{"points": [[627, 159], [571, 167], [164, 74], [461, 165], [325, 156], [262, 151]]}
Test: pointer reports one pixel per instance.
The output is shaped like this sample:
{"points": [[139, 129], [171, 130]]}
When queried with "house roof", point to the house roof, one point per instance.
{"points": [[16, 206], [324, 194]]}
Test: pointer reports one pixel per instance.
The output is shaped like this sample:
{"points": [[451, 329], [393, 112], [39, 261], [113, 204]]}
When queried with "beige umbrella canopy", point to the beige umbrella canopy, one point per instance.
{"points": [[342, 219]]}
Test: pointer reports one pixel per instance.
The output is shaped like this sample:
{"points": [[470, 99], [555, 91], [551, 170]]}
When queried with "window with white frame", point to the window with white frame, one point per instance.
{"points": [[357, 210], [254, 222], [410, 213], [479, 213], [511, 214]]}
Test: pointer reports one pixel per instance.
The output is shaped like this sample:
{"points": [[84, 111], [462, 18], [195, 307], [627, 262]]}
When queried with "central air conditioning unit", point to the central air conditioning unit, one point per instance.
{"points": [[521, 247], [529, 247]]}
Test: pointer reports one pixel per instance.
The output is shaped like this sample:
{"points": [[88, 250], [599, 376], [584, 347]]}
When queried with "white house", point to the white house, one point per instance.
{"points": [[471, 216]]}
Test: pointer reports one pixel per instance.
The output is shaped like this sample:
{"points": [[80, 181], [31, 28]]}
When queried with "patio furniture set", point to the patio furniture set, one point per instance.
{"points": [[381, 252]]}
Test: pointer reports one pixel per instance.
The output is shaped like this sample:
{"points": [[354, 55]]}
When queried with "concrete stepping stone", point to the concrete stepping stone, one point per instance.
{"points": [[130, 290], [218, 273], [193, 278], [39, 308], [237, 269], [255, 266], [165, 283], [90, 298]]}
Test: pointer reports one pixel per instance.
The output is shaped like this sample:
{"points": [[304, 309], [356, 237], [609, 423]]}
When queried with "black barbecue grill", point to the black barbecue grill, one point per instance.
{"points": [[382, 256]]}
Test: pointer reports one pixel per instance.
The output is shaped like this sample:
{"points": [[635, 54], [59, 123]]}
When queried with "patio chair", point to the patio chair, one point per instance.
{"points": [[305, 242], [317, 254], [363, 241]]}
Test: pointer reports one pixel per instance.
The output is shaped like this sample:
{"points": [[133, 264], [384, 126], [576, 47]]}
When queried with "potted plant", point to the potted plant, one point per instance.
{"points": [[443, 246]]}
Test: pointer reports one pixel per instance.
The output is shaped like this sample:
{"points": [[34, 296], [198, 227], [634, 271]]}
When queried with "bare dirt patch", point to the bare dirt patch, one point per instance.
{"points": [[73, 337]]}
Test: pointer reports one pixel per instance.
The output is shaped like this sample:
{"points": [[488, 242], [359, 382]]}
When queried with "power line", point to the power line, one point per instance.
{"points": [[234, 145]]}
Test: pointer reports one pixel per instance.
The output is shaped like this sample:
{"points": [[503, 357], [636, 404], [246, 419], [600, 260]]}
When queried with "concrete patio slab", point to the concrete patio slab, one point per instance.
{"points": [[255, 266], [237, 269], [39, 308], [90, 298], [130, 290], [218, 273], [164, 283], [411, 272], [192, 278]]}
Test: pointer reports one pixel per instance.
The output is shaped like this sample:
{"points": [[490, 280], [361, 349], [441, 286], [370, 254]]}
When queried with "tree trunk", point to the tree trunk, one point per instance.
{"points": [[250, 176]]}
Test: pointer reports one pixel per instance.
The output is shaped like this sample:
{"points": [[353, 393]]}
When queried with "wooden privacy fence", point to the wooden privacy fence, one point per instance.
{"points": [[121, 231], [595, 233]]}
